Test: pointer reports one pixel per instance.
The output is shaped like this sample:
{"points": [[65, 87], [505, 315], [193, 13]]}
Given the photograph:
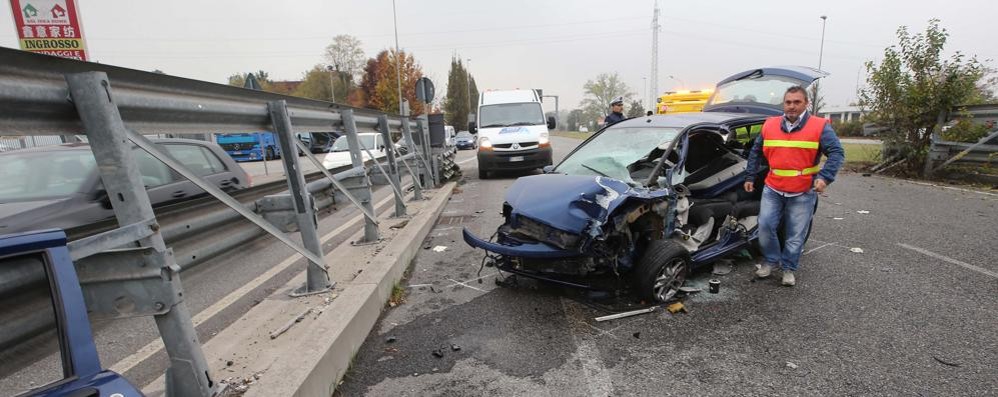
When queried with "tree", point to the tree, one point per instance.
{"points": [[345, 55], [635, 109], [600, 92], [574, 120], [914, 86], [456, 106], [317, 82], [262, 77], [380, 82]]}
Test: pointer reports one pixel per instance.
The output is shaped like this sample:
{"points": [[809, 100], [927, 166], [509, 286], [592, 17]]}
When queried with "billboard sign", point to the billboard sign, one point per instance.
{"points": [[50, 27]]}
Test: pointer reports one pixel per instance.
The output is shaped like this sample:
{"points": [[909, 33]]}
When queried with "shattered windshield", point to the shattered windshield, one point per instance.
{"points": [[611, 152]]}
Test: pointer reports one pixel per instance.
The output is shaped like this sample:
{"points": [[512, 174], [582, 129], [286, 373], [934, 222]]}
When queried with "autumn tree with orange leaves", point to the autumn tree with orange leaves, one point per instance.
{"points": [[379, 85]]}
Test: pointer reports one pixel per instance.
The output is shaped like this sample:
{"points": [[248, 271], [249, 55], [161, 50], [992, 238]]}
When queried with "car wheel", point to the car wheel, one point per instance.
{"points": [[661, 271], [483, 174], [270, 153]]}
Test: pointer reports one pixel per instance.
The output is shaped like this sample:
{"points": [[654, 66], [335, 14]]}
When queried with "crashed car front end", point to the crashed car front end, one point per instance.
{"points": [[565, 228]]}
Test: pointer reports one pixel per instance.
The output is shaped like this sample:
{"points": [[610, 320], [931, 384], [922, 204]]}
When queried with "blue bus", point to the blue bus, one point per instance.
{"points": [[250, 146]]}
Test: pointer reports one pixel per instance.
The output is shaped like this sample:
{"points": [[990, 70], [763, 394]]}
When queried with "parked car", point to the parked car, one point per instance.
{"points": [[339, 153], [59, 186], [465, 140], [67, 335], [322, 142]]}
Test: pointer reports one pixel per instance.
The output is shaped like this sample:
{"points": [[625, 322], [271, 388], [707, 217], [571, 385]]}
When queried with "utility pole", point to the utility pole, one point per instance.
{"points": [[821, 53], [654, 52], [398, 61], [467, 78]]}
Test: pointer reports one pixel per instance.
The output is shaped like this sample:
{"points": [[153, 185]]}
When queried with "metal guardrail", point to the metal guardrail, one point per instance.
{"points": [[42, 95], [943, 153]]}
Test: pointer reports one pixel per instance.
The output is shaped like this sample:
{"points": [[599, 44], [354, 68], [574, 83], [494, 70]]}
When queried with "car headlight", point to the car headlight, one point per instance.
{"points": [[484, 144]]}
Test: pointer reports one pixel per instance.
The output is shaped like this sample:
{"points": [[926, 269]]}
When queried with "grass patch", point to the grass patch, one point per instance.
{"points": [[572, 134], [861, 153], [398, 295]]}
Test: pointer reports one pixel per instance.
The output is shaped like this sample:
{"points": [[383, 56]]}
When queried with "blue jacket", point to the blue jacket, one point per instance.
{"points": [[614, 117], [829, 146]]}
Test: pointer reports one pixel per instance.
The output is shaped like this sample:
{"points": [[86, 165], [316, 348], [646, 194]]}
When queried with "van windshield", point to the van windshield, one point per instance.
{"points": [[510, 114]]}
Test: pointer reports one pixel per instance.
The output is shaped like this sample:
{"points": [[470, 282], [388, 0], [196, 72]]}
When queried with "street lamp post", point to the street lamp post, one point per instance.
{"points": [[398, 61], [821, 53], [332, 87], [681, 82], [467, 77], [644, 92]]}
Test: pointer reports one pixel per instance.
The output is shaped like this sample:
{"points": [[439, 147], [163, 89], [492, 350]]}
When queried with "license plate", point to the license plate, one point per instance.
{"points": [[517, 158]]}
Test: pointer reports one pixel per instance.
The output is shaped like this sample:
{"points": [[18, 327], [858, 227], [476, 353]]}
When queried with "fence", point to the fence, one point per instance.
{"points": [[116, 107]]}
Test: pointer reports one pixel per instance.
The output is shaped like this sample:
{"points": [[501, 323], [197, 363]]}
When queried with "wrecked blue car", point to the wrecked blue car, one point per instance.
{"points": [[636, 207]]}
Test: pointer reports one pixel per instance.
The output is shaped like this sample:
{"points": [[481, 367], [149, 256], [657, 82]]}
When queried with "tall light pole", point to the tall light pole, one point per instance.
{"points": [[821, 54], [332, 88], [398, 62], [681, 82], [644, 89], [467, 77]]}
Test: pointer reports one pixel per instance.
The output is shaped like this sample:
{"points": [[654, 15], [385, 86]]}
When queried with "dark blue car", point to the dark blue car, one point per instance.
{"points": [[67, 335], [640, 204], [465, 140]]}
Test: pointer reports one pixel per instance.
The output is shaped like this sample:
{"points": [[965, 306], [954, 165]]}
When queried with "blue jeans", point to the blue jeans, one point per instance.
{"points": [[796, 213]]}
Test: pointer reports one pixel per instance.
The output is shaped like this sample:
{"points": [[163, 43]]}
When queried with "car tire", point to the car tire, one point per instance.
{"points": [[661, 271], [483, 174], [269, 154]]}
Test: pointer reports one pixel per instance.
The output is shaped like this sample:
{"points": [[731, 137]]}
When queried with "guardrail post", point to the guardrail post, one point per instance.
{"points": [[424, 140], [417, 189], [90, 92], [393, 166], [362, 191], [317, 280]]}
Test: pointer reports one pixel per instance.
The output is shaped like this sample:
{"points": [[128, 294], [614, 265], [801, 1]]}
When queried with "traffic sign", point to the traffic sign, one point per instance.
{"points": [[424, 90], [50, 27]]}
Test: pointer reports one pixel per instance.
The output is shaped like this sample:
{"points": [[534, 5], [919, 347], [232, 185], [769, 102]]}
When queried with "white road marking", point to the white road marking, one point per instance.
{"points": [[467, 160], [953, 188], [817, 248], [950, 260], [594, 373], [155, 346]]}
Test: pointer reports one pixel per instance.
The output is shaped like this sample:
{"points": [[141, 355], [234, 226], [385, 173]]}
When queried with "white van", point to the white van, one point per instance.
{"points": [[512, 132]]}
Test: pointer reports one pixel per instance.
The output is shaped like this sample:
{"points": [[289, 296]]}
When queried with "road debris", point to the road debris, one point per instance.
{"points": [[637, 335], [722, 267], [791, 365], [944, 362], [455, 347], [625, 314], [690, 290], [438, 353], [440, 248], [399, 225], [838, 219], [676, 308], [856, 250], [862, 212], [714, 286], [391, 339], [286, 327]]}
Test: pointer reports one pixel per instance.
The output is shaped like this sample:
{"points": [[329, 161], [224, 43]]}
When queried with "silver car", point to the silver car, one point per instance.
{"points": [[59, 186]]}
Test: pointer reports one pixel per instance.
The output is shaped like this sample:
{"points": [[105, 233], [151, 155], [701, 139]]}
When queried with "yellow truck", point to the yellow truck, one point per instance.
{"points": [[682, 101]]}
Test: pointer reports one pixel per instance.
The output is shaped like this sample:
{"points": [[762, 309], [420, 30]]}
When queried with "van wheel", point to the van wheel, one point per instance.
{"points": [[483, 174], [661, 271]]}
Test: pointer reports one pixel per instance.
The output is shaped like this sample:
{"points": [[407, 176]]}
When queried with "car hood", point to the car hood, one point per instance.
{"points": [[572, 203]]}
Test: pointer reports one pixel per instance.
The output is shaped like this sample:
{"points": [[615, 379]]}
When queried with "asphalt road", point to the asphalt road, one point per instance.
{"points": [[897, 295]]}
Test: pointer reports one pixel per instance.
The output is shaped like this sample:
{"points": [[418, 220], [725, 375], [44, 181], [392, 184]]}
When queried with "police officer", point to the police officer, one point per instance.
{"points": [[616, 111]]}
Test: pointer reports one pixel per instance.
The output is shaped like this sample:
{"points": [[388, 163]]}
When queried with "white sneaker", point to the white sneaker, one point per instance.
{"points": [[764, 270], [788, 278]]}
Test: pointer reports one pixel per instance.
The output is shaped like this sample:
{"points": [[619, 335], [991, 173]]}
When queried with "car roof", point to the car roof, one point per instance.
{"points": [[86, 146], [803, 73], [682, 120]]}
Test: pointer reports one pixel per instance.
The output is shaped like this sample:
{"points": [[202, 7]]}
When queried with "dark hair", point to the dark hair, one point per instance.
{"points": [[799, 89]]}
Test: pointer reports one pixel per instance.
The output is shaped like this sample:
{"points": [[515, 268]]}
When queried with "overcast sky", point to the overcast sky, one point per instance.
{"points": [[554, 45]]}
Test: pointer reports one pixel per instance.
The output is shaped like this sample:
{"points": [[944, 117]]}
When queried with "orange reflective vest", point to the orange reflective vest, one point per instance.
{"points": [[792, 157]]}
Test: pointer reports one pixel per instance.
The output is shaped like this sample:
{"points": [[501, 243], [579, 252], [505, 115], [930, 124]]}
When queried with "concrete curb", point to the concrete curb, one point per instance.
{"points": [[326, 330]]}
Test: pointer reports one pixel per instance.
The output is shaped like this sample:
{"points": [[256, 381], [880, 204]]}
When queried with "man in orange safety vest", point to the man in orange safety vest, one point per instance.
{"points": [[792, 144]]}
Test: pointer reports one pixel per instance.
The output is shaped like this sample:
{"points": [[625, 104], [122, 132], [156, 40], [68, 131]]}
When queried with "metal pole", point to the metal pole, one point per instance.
{"points": [[398, 62], [362, 191], [424, 132], [317, 280], [393, 166], [188, 373], [417, 192], [467, 77], [332, 87], [821, 53], [263, 150]]}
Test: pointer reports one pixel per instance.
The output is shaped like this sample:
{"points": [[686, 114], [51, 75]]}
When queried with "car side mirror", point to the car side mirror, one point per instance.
{"points": [[552, 123], [103, 199], [472, 127], [547, 169]]}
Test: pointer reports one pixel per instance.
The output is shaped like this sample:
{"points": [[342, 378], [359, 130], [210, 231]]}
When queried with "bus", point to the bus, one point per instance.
{"points": [[682, 101]]}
